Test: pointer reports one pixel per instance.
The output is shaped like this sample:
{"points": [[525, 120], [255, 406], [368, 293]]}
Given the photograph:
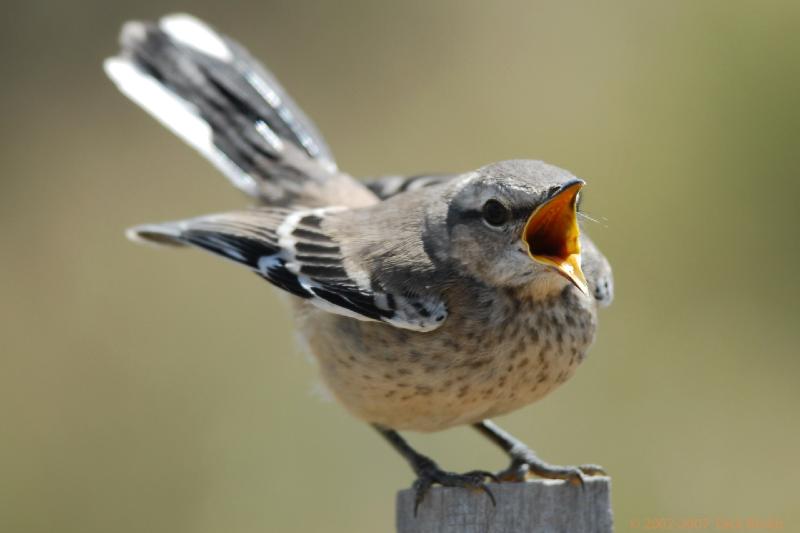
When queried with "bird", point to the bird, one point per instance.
{"points": [[429, 301]]}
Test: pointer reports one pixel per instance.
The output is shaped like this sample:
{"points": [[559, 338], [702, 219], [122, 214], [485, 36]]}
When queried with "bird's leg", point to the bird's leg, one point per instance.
{"points": [[524, 460], [428, 472]]}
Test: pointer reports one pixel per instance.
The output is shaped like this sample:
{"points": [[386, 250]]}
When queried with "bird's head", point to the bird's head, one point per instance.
{"points": [[514, 223]]}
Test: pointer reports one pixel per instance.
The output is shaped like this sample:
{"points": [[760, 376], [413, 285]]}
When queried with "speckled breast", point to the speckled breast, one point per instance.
{"points": [[490, 359]]}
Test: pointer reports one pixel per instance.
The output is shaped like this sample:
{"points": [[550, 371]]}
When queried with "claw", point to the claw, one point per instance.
{"points": [[517, 472], [482, 474], [430, 473], [577, 478], [521, 466], [524, 461], [488, 492], [592, 470], [421, 488]]}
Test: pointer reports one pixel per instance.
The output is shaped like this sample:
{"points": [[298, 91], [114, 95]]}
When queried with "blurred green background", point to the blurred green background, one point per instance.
{"points": [[146, 390]]}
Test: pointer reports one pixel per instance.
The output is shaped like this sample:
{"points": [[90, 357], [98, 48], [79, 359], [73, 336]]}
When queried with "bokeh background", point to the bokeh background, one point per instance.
{"points": [[147, 390]]}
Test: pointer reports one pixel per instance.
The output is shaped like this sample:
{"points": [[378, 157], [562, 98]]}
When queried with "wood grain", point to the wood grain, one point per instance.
{"points": [[539, 505]]}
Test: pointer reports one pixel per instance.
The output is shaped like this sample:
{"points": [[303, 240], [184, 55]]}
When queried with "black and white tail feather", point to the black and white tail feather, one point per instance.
{"points": [[210, 92]]}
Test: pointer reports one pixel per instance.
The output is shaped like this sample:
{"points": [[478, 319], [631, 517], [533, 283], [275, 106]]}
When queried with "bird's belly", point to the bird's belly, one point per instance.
{"points": [[455, 375]]}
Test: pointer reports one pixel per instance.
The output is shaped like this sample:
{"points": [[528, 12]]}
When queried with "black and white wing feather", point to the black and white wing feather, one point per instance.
{"points": [[209, 91], [294, 250], [597, 270]]}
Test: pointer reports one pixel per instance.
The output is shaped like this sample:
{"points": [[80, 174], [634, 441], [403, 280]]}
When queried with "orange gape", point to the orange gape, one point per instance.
{"points": [[552, 234]]}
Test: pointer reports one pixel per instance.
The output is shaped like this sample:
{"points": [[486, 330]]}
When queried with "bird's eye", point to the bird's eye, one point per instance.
{"points": [[495, 213]]}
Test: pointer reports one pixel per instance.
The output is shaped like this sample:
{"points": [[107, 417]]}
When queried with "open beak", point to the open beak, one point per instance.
{"points": [[551, 234]]}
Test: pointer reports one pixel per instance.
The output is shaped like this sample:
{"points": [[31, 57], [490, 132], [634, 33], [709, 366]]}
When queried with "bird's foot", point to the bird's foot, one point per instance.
{"points": [[526, 462], [429, 473]]}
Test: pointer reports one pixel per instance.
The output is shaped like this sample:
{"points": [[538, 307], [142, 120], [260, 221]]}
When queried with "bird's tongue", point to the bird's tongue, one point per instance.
{"points": [[551, 234]]}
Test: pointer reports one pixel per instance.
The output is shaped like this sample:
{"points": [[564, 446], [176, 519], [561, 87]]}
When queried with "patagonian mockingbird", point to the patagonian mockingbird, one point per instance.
{"points": [[429, 301]]}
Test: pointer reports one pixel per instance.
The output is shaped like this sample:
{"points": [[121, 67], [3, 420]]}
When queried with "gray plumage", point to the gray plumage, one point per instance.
{"points": [[388, 186], [429, 301]]}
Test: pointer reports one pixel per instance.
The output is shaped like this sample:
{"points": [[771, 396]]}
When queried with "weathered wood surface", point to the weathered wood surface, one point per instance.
{"points": [[536, 506]]}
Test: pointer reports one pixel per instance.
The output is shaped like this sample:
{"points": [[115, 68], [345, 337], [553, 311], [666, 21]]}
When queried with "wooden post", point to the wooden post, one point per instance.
{"points": [[540, 505]]}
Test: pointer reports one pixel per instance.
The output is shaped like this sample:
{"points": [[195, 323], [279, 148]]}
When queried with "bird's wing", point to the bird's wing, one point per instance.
{"points": [[385, 187], [298, 251], [597, 270], [213, 94]]}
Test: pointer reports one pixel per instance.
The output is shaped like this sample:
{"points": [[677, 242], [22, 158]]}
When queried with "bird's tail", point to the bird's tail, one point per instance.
{"points": [[209, 91]]}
